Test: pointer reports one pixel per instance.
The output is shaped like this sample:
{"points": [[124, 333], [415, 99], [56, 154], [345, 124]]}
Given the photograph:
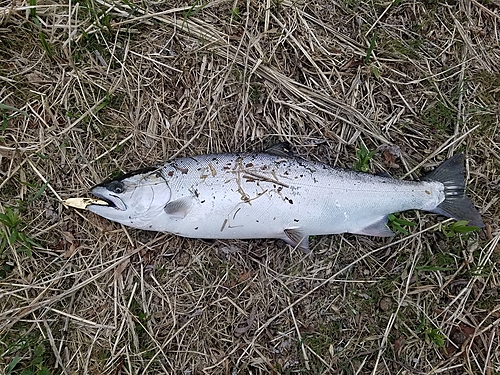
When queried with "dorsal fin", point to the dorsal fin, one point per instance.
{"points": [[280, 149]]}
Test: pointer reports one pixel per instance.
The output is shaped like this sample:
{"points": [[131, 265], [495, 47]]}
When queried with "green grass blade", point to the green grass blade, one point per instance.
{"points": [[6, 107], [370, 48]]}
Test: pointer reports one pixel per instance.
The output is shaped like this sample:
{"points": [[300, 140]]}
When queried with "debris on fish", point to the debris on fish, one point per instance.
{"points": [[274, 194], [83, 203]]}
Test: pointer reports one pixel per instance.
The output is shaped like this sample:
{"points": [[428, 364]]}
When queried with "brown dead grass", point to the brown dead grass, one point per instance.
{"points": [[123, 85]]}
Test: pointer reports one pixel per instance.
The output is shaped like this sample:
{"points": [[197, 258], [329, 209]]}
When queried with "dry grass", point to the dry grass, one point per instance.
{"points": [[103, 87]]}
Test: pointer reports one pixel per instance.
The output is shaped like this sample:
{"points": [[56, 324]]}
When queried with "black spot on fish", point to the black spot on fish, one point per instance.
{"points": [[296, 220], [203, 201], [171, 173], [290, 201], [196, 228]]}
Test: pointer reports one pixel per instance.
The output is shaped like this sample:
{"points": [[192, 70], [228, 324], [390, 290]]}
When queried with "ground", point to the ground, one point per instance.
{"points": [[93, 88]]}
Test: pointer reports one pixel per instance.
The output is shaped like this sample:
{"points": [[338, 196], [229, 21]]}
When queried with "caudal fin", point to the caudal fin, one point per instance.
{"points": [[456, 204]]}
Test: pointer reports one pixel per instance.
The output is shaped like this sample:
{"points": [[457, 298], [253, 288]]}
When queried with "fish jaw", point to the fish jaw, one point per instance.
{"points": [[132, 215], [115, 210], [113, 200], [135, 199]]}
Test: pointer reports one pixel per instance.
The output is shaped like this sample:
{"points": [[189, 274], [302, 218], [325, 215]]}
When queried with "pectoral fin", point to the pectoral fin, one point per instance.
{"points": [[179, 208], [378, 229], [297, 238]]}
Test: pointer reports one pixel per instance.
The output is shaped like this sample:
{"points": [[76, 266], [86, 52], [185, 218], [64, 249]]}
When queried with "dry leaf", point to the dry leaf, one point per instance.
{"points": [[391, 153], [398, 344], [68, 236], [458, 336], [238, 331], [71, 250], [244, 276], [121, 267]]}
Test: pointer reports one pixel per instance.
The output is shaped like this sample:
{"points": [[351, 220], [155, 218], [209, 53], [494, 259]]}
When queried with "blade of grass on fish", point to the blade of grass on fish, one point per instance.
{"points": [[397, 223]]}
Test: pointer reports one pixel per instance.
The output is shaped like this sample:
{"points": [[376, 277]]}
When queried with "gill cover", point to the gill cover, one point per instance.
{"points": [[135, 199]]}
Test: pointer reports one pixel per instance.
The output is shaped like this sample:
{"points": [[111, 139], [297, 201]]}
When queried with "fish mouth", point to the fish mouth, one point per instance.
{"points": [[112, 200]]}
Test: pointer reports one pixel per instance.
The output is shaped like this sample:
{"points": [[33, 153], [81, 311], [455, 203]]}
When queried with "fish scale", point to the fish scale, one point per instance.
{"points": [[274, 195]]}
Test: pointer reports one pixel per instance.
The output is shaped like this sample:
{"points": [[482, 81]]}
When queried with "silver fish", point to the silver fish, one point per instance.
{"points": [[275, 195]]}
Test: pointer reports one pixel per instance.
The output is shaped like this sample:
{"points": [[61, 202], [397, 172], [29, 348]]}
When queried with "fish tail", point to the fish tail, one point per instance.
{"points": [[456, 204]]}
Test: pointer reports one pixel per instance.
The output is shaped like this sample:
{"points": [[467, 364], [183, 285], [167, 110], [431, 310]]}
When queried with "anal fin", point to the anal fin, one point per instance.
{"points": [[297, 238], [378, 229]]}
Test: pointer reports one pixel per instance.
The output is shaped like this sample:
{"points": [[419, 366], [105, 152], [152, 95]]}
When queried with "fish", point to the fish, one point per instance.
{"points": [[275, 194]]}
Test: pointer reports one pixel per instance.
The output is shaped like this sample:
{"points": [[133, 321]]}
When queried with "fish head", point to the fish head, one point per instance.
{"points": [[135, 199]]}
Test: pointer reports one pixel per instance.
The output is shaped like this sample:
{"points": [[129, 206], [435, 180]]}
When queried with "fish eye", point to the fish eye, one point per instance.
{"points": [[116, 187]]}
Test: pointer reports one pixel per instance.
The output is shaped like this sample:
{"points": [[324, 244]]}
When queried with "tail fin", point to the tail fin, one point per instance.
{"points": [[456, 204]]}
